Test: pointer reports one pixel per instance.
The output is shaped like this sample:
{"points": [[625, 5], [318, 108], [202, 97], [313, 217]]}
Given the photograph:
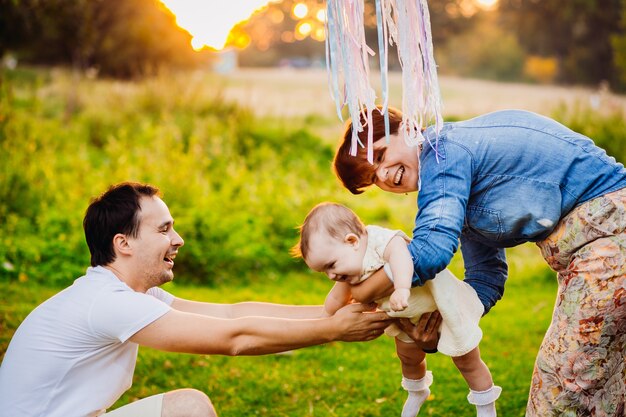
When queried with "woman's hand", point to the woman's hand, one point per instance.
{"points": [[426, 332]]}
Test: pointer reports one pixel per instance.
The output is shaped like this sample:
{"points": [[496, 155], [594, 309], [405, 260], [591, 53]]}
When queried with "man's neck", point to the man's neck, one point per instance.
{"points": [[125, 277]]}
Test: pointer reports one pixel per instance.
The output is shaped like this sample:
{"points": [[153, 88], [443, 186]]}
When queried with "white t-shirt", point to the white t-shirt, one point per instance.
{"points": [[71, 355]]}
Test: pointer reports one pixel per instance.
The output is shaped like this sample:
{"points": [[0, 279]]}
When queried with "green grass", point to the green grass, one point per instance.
{"points": [[338, 379]]}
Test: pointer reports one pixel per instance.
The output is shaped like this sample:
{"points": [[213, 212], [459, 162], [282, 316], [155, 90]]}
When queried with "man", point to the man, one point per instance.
{"points": [[75, 354]]}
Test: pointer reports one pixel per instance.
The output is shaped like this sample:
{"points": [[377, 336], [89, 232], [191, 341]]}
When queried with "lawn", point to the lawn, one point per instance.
{"points": [[339, 379]]}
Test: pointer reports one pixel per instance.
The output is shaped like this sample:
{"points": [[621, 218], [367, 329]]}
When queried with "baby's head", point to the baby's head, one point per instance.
{"points": [[333, 240]]}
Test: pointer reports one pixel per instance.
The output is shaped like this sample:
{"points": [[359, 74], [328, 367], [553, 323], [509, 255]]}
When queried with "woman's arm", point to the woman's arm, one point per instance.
{"points": [[337, 297], [442, 203], [375, 287]]}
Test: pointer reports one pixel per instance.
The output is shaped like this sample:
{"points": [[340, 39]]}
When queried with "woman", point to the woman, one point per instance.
{"points": [[500, 180]]}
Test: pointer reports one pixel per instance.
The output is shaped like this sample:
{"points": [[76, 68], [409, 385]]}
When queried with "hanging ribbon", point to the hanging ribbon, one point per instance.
{"points": [[405, 23], [347, 62]]}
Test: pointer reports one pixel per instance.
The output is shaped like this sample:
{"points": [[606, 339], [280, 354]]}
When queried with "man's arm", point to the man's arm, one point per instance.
{"points": [[244, 309], [177, 331]]}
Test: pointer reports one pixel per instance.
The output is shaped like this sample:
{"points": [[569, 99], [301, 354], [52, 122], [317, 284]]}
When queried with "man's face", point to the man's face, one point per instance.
{"points": [[397, 165], [341, 260], [156, 244]]}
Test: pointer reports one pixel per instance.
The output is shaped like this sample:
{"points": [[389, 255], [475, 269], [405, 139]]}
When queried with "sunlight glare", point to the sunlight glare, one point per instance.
{"points": [[321, 15], [486, 4], [300, 10], [304, 28], [210, 21]]}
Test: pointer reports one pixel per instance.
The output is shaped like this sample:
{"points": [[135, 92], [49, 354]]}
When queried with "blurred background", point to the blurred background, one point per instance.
{"points": [[225, 106], [547, 41]]}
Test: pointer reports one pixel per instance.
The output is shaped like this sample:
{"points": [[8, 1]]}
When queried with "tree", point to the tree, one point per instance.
{"points": [[619, 46], [576, 32], [272, 31], [485, 51], [122, 38]]}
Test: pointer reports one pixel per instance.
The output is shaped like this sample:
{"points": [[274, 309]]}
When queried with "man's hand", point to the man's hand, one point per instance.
{"points": [[425, 332], [399, 300], [359, 322]]}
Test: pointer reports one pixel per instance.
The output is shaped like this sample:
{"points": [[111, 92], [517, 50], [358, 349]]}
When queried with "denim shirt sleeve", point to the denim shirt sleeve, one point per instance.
{"points": [[485, 270], [442, 202]]}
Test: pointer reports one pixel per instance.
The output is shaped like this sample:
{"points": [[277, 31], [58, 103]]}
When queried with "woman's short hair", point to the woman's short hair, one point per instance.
{"points": [[355, 172], [115, 211], [334, 219]]}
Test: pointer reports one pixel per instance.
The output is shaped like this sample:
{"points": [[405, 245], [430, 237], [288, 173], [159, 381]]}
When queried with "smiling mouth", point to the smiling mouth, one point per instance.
{"points": [[343, 278], [397, 179], [170, 259]]}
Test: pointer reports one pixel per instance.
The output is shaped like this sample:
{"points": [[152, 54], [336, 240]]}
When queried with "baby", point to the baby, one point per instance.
{"points": [[335, 241]]}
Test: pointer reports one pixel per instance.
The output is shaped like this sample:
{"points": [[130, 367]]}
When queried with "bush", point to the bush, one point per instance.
{"points": [[238, 186], [608, 130]]}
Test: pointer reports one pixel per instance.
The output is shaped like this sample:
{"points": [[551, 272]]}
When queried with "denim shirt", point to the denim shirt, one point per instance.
{"points": [[497, 181]]}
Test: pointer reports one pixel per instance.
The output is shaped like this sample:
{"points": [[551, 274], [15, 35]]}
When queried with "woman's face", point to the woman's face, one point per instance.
{"points": [[397, 165]]}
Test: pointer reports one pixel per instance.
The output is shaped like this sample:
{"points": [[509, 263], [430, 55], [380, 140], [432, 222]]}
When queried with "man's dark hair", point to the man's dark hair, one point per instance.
{"points": [[115, 211]]}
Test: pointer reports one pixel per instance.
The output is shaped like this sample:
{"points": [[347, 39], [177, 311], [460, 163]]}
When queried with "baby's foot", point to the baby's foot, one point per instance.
{"points": [[418, 393]]}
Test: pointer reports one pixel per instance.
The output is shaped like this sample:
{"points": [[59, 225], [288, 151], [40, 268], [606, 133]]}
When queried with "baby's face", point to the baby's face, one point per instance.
{"points": [[341, 260]]}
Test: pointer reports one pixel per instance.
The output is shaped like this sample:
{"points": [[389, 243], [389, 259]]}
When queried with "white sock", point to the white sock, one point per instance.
{"points": [[485, 401], [418, 393]]}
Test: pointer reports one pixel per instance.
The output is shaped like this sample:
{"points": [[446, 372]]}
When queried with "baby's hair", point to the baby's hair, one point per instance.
{"points": [[337, 220]]}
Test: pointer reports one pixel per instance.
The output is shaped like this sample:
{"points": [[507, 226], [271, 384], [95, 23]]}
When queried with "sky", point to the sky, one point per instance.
{"points": [[210, 21]]}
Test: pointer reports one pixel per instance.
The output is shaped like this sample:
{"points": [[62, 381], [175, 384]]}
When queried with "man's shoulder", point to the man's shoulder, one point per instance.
{"points": [[99, 278]]}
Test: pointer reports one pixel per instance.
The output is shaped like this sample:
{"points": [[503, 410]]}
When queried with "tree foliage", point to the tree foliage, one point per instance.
{"points": [[485, 51], [576, 32], [619, 46], [586, 38], [122, 38], [268, 33]]}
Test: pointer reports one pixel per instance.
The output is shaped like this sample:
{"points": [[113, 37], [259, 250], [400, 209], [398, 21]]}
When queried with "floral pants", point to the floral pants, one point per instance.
{"points": [[581, 366]]}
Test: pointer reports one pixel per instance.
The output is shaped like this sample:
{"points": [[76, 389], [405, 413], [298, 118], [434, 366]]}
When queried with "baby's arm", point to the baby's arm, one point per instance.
{"points": [[398, 257], [337, 297]]}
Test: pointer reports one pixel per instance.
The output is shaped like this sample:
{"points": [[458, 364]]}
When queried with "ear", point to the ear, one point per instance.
{"points": [[121, 245], [352, 239]]}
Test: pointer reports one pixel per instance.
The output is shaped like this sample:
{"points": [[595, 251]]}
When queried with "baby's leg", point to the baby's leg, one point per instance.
{"points": [[415, 379], [483, 393], [474, 370]]}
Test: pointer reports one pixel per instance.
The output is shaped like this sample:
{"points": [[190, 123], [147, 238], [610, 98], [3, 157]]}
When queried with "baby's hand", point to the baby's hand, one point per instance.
{"points": [[399, 300]]}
